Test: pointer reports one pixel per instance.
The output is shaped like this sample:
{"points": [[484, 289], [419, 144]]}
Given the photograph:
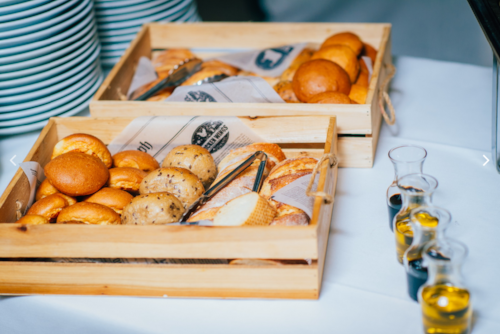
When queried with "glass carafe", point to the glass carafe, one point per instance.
{"points": [[416, 191], [407, 159], [428, 223], [445, 301]]}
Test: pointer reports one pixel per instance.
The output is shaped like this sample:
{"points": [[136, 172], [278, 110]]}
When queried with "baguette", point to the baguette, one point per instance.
{"points": [[246, 210]]}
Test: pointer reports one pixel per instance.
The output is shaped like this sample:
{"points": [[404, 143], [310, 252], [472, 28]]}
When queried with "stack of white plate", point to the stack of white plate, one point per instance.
{"points": [[119, 21], [49, 61]]}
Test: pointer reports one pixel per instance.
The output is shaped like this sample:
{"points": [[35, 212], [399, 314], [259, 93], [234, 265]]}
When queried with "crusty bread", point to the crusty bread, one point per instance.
{"points": [[345, 38], [330, 97], [180, 182], [88, 213], [33, 220], [204, 215], [285, 91], [217, 64], [303, 56], [115, 199], [318, 76], [135, 159], [245, 210], [83, 143], [341, 55], [223, 196], [45, 189], [287, 215], [126, 178], [162, 94], [202, 74], [358, 94], [157, 208], [194, 158], [273, 151], [76, 174]]}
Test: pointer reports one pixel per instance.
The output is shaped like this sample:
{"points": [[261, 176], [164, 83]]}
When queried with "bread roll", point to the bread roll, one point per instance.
{"points": [[165, 61], [318, 76], [341, 55], [88, 213], [345, 38], [126, 178], [217, 64], [45, 189], [178, 181], [369, 51], [157, 208], [135, 159], [358, 94], [285, 91], [363, 77], [303, 56], [203, 74], [49, 206], [83, 143], [33, 220], [330, 97], [246, 210], [76, 174], [112, 198], [196, 159]]}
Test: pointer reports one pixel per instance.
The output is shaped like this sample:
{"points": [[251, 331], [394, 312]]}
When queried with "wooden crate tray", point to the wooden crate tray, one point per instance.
{"points": [[19, 242], [358, 124]]}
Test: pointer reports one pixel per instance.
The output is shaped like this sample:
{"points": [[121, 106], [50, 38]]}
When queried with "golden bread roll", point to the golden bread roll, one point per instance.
{"points": [[45, 189], [370, 52], [180, 182], [303, 56], [318, 76], [341, 55], [358, 94], [363, 77], [345, 38], [115, 199], [76, 174], [33, 220], [202, 74], [285, 91], [273, 151], [330, 97], [226, 68], [160, 58], [135, 159], [157, 208], [162, 94], [195, 158], [49, 207], [126, 178], [88, 213], [245, 210], [69, 199], [83, 143], [270, 80]]}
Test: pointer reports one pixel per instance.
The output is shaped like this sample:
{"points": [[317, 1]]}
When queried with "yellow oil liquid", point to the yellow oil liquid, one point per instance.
{"points": [[446, 310], [404, 232]]}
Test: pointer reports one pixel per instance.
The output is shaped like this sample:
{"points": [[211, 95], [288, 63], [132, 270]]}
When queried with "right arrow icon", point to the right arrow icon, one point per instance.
{"points": [[487, 160]]}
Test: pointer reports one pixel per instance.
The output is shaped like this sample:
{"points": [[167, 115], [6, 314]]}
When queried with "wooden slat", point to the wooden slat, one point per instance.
{"points": [[223, 281]]}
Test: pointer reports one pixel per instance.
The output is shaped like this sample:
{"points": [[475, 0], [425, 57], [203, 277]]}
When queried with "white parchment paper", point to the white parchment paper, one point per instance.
{"points": [[34, 173], [294, 194], [144, 74]]}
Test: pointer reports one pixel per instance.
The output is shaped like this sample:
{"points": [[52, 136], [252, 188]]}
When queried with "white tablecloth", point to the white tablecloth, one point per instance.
{"points": [[444, 107]]}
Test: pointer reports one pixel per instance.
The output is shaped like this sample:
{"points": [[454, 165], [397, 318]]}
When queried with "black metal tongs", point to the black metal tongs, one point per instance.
{"points": [[222, 183]]}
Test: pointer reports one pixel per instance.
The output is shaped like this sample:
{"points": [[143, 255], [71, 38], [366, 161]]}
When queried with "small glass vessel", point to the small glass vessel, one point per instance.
{"points": [[428, 223], [416, 191], [407, 159], [445, 301]]}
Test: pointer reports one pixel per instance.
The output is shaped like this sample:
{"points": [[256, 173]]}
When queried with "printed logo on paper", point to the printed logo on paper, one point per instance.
{"points": [[212, 135], [272, 58], [199, 96]]}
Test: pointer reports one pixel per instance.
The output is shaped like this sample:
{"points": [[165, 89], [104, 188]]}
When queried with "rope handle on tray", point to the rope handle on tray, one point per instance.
{"points": [[383, 96], [327, 198]]}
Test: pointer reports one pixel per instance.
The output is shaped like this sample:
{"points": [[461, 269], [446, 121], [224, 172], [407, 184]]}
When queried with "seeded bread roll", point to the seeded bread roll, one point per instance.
{"points": [[157, 208], [196, 159], [341, 55], [318, 76], [358, 94], [345, 38], [180, 182], [33, 220], [246, 210], [88, 213], [50, 206], [83, 143], [135, 159], [112, 198], [303, 56], [76, 174], [331, 98], [126, 178], [45, 189]]}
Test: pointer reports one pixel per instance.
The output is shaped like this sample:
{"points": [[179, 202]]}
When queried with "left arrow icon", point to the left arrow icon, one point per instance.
{"points": [[13, 159]]}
